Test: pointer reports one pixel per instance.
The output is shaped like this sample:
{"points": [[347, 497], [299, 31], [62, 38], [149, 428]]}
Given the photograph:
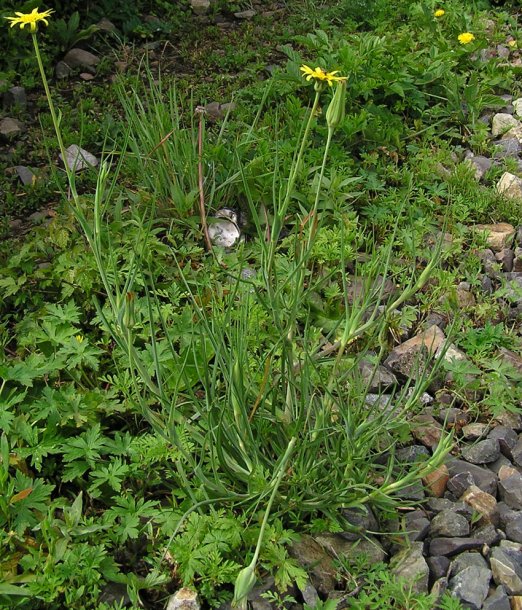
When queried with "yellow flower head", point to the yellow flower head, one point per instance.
{"points": [[439, 12], [466, 38], [321, 76], [512, 44], [30, 19], [79, 338]]}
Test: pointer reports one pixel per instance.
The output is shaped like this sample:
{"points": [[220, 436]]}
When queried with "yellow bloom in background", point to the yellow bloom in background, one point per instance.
{"points": [[439, 12], [30, 19], [512, 44], [466, 38], [79, 338], [321, 75]]}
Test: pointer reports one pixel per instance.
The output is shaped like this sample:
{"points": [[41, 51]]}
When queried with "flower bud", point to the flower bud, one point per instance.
{"points": [[129, 314], [335, 112], [245, 581]]}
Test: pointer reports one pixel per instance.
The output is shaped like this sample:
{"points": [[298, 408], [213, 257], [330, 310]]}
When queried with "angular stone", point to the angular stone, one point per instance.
{"points": [[503, 122], [506, 470], [377, 378], [480, 165], [483, 452], [510, 491], [506, 148], [15, 97], [410, 357], [497, 601], [358, 288], [507, 439], [481, 502], [473, 432], [516, 602], [417, 529], [514, 527], [247, 14], [437, 505], [184, 599], [497, 464], [516, 453], [77, 158], [466, 560], [449, 524], [453, 546], [471, 586], [498, 236], [488, 534], [361, 518], [458, 484], [482, 477], [426, 429], [316, 561], [10, 129], [511, 358], [412, 454], [435, 482], [26, 175], [337, 545], [62, 70], [439, 566], [506, 565], [517, 106], [200, 7], [506, 257], [510, 186], [411, 566], [80, 58], [510, 420]]}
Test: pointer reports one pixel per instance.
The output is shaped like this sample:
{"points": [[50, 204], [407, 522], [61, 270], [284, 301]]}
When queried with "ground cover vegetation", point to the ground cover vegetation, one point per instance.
{"points": [[175, 413]]}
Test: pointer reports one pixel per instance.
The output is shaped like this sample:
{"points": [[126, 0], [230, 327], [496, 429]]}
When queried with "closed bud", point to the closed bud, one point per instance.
{"points": [[129, 314], [335, 112], [245, 581]]}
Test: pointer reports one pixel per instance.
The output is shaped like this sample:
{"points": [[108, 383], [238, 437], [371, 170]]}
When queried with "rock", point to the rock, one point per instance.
{"points": [[437, 505], [488, 534], [510, 420], [10, 129], [482, 478], [511, 358], [506, 470], [416, 527], [452, 417], [449, 524], [223, 229], [506, 258], [516, 602], [62, 70], [510, 491], [77, 158], [471, 586], [200, 7], [316, 561], [26, 175], [216, 111], [86, 76], [466, 560], [358, 288], [435, 482], [514, 527], [337, 545], [506, 148], [15, 97], [458, 484], [510, 186], [503, 122], [184, 599], [453, 546], [247, 14], [500, 235], [410, 357], [497, 464], [79, 58], [376, 378], [506, 565], [310, 595], [440, 587], [481, 502], [480, 165], [497, 600], [361, 518], [105, 25], [507, 439], [483, 452], [426, 429], [517, 262], [465, 299], [439, 567], [411, 566], [516, 453], [473, 432], [517, 106], [412, 454]]}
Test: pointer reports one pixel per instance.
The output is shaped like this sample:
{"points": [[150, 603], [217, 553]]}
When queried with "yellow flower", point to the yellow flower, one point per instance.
{"points": [[321, 76], [439, 12], [512, 44], [466, 38], [79, 338], [30, 19]]}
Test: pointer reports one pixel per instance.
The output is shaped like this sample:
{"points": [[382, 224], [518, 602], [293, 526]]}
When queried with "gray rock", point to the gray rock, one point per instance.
{"points": [[497, 464], [474, 431], [483, 452], [10, 129], [79, 58], [471, 586], [316, 561], [507, 438], [184, 599], [362, 518], [505, 514], [417, 529], [336, 545], [506, 258], [26, 175], [510, 491], [466, 560], [15, 97], [514, 527], [498, 600], [516, 453], [503, 122], [377, 378], [488, 533], [511, 420], [77, 158], [247, 14], [411, 566], [200, 7], [453, 417], [437, 505], [480, 165], [482, 477], [449, 524], [310, 595], [410, 357], [506, 565], [458, 484], [412, 454], [439, 567], [453, 546], [506, 148], [62, 70]]}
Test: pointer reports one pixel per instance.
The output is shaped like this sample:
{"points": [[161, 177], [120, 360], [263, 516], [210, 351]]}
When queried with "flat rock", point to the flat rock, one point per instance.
{"points": [[184, 599], [15, 97], [247, 14], [511, 420], [453, 546], [488, 533], [498, 600], [376, 377], [500, 235], [10, 129], [514, 527], [483, 478], [506, 565], [510, 491], [200, 7], [316, 561], [481, 502], [426, 429], [471, 586], [466, 560], [482, 452], [336, 545], [507, 439], [449, 524], [77, 158], [411, 566], [410, 357], [510, 186], [472, 432], [507, 148], [80, 58], [502, 122]]}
